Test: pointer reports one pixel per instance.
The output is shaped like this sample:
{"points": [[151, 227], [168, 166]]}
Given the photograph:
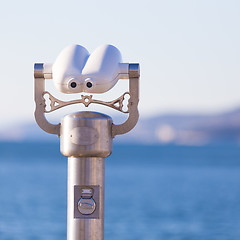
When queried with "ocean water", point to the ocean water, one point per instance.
{"points": [[152, 192]]}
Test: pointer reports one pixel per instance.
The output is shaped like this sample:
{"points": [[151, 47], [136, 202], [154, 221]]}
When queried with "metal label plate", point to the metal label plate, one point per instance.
{"points": [[83, 135], [79, 193]]}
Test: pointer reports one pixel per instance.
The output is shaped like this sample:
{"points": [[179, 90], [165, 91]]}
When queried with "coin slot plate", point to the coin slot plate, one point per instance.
{"points": [[85, 191]]}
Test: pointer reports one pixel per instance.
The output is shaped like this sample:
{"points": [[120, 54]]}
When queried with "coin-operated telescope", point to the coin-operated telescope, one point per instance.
{"points": [[86, 137]]}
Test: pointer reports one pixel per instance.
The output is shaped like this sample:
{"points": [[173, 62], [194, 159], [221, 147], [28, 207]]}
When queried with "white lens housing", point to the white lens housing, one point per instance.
{"points": [[75, 70]]}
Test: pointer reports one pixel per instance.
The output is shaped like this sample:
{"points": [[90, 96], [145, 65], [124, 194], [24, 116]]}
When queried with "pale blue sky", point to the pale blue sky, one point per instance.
{"points": [[189, 51]]}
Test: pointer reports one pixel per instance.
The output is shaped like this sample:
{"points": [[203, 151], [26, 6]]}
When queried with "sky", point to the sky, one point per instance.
{"points": [[188, 50]]}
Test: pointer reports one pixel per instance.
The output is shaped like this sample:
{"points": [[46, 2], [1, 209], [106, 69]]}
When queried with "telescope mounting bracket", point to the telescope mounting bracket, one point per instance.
{"points": [[117, 104]]}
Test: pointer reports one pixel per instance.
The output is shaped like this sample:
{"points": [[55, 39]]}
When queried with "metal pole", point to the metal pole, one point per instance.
{"points": [[85, 172], [86, 139]]}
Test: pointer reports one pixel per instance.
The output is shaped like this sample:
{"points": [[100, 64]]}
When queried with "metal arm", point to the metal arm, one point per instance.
{"points": [[40, 102], [130, 123]]}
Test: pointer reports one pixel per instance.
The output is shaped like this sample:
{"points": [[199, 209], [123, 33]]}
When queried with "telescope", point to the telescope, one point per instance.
{"points": [[86, 137]]}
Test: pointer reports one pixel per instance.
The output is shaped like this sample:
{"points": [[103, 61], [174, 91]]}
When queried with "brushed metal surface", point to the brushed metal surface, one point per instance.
{"points": [[133, 116], [38, 70], [85, 171], [86, 134], [134, 70]]}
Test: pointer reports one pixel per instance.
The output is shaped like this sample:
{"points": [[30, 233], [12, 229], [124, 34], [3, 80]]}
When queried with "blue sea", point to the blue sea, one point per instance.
{"points": [[152, 192]]}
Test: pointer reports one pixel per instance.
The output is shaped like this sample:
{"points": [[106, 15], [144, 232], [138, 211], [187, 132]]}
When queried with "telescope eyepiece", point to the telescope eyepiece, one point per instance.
{"points": [[89, 84], [73, 84]]}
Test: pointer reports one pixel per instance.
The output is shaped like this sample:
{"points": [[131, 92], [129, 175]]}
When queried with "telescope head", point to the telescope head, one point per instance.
{"points": [[76, 71]]}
